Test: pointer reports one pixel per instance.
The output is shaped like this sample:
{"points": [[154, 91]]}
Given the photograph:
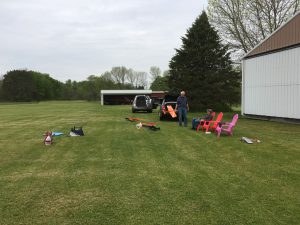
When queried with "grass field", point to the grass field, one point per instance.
{"points": [[117, 174]]}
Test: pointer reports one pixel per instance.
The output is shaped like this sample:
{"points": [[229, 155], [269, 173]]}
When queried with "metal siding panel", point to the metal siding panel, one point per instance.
{"points": [[283, 101], [297, 111], [246, 89], [291, 106], [289, 77], [287, 101], [295, 86], [295, 91], [249, 74], [276, 102], [270, 103], [281, 61]]}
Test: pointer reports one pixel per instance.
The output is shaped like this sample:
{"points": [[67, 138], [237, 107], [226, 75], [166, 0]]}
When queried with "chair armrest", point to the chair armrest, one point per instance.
{"points": [[209, 122], [224, 124], [206, 122]]}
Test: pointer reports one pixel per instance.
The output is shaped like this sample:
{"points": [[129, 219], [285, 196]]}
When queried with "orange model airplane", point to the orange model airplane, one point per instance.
{"points": [[171, 111]]}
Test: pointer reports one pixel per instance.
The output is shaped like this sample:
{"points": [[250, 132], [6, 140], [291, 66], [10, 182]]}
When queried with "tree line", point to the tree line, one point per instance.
{"points": [[28, 85]]}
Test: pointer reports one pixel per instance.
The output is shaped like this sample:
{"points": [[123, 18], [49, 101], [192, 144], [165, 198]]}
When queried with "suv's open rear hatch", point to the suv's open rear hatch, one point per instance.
{"points": [[141, 101], [171, 98]]}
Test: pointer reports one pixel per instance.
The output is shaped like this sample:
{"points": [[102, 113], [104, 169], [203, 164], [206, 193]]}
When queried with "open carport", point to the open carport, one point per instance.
{"points": [[125, 97]]}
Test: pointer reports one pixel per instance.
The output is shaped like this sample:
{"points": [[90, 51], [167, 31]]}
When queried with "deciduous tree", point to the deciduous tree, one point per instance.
{"points": [[155, 72], [119, 74], [243, 24]]}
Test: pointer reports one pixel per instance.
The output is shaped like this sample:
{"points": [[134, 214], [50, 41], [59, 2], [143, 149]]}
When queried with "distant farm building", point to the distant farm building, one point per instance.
{"points": [[125, 97], [271, 75]]}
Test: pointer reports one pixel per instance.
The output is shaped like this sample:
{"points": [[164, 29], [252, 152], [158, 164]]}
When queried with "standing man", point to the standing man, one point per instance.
{"points": [[182, 107]]}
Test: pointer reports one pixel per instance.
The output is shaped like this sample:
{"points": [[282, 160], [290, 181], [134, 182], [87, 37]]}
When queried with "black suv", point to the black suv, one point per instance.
{"points": [[163, 110]]}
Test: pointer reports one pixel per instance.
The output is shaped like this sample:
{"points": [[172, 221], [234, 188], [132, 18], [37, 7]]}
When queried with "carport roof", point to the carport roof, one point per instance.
{"points": [[126, 92]]}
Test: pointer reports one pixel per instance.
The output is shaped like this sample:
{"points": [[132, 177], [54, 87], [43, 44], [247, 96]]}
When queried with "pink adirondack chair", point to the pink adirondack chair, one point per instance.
{"points": [[212, 125], [227, 127]]}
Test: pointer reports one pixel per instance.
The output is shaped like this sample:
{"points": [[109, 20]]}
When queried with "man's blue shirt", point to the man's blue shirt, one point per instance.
{"points": [[182, 102]]}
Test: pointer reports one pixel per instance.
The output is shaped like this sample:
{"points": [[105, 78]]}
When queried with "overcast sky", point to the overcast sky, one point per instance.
{"points": [[72, 39]]}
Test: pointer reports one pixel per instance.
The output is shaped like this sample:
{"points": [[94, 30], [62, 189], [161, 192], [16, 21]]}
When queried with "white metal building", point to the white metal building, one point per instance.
{"points": [[271, 75]]}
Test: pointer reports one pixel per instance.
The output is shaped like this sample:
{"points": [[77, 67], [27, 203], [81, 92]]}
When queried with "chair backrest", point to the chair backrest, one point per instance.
{"points": [[217, 121], [234, 120], [213, 115], [219, 118]]}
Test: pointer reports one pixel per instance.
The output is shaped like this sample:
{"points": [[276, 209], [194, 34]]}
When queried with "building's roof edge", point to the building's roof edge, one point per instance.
{"points": [[273, 33]]}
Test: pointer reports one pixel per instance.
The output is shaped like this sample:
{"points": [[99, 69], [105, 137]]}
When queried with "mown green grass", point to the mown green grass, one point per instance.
{"points": [[117, 174]]}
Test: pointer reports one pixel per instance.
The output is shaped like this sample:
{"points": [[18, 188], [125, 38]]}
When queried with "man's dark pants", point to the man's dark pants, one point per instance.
{"points": [[182, 113]]}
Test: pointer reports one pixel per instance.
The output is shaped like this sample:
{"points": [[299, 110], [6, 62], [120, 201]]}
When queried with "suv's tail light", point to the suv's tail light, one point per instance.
{"points": [[163, 107]]}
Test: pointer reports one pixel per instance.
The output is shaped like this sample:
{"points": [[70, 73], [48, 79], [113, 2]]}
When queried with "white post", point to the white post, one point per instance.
{"points": [[102, 99]]}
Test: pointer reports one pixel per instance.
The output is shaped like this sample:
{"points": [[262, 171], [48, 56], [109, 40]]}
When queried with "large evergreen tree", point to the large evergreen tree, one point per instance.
{"points": [[202, 67]]}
